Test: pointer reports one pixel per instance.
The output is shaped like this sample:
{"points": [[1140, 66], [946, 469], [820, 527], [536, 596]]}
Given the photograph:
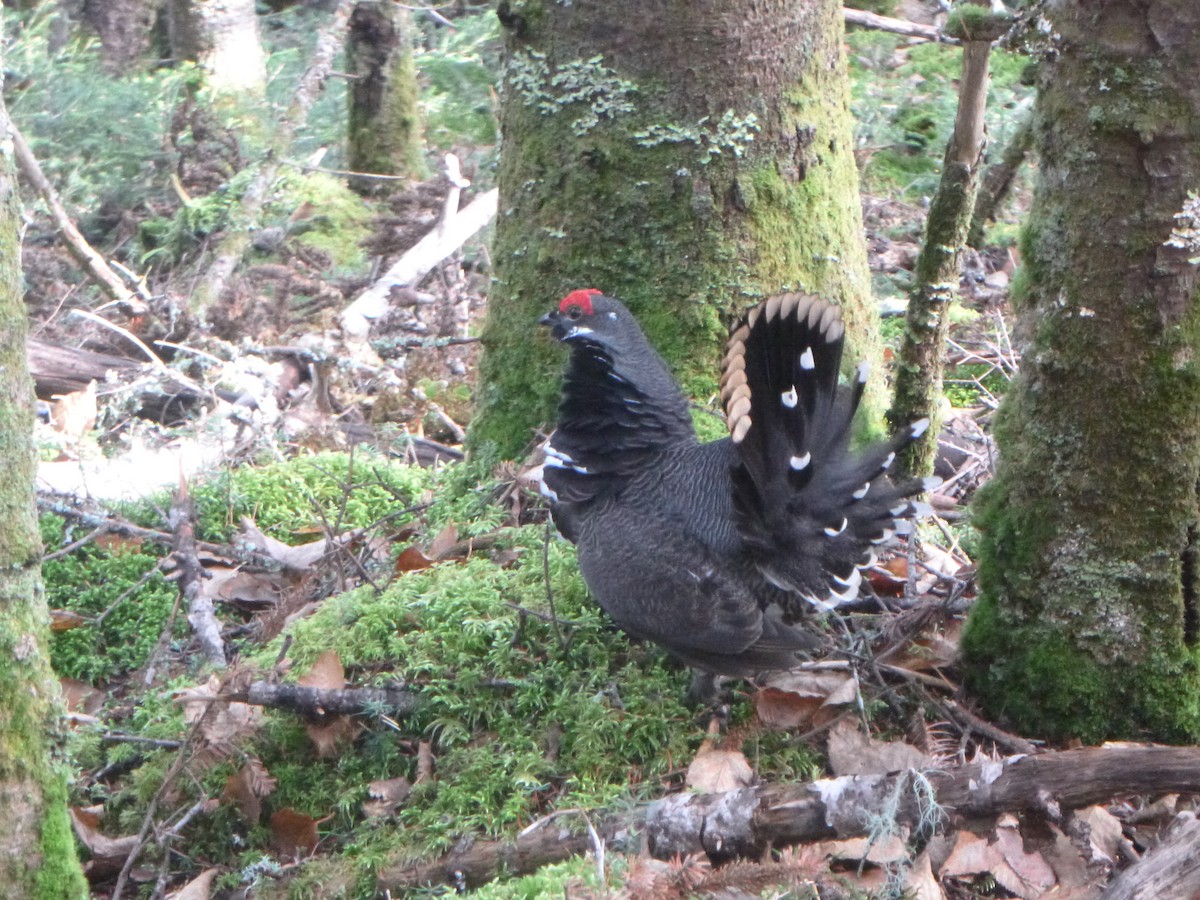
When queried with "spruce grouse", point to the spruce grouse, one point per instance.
{"points": [[717, 551]]}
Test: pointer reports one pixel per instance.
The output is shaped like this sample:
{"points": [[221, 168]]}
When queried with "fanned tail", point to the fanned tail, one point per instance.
{"points": [[809, 510]]}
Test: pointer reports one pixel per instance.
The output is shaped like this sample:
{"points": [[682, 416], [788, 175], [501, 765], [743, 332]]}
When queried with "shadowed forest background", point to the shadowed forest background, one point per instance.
{"points": [[280, 269]]}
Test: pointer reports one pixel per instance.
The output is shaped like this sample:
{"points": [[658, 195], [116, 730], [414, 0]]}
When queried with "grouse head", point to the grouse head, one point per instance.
{"points": [[588, 316]]}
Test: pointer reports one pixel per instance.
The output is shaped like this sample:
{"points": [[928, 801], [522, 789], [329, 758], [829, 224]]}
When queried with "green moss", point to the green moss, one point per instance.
{"points": [[60, 877], [341, 222], [1042, 685], [294, 499]]}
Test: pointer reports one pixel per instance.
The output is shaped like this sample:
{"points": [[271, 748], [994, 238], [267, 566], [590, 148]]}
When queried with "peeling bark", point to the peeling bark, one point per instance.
{"points": [[746, 822]]}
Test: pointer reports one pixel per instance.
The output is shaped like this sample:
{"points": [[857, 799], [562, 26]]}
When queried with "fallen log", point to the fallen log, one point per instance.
{"points": [[58, 370], [746, 822]]}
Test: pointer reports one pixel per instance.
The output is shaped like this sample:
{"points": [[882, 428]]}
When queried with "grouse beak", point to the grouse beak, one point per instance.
{"points": [[554, 321]]}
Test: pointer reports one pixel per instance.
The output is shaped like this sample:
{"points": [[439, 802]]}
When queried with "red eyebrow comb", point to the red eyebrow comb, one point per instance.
{"points": [[581, 298]]}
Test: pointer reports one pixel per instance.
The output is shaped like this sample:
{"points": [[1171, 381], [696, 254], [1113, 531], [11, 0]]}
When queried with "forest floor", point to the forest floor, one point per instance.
{"points": [[310, 651]]}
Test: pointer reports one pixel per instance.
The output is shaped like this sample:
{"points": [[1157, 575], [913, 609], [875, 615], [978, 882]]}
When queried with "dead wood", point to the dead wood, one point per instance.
{"points": [[876, 22], [89, 260], [455, 228], [1171, 871], [919, 376], [59, 370], [189, 575], [746, 822], [317, 703]]}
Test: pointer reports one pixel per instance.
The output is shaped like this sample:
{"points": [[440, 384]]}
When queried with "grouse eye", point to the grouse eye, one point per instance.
{"points": [[574, 312]]}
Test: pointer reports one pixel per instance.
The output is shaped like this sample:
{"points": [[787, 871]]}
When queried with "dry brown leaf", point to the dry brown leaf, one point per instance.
{"points": [[818, 683], [385, 797], [86, 822], [334, 736], [231, 584], [293, 834], [64, 620], [199, 888], [1069, 867], [919, 880], [412, 560], [853, 753], [890, 577], [442, 543], [1102, 831], [73, 415], [81, 697], [714, 771], [1027, 875], [972, 855], [889, 849], [784, 711], [227, 723], [300, 558], [246, 788], [326, 673]]}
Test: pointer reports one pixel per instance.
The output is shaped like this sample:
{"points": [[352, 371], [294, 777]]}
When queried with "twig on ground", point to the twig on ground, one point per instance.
{"points": [[91, 261]]}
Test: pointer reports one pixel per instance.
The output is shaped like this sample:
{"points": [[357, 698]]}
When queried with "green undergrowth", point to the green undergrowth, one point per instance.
{"points": [[905, 100], [519, 722], [531, 701]]}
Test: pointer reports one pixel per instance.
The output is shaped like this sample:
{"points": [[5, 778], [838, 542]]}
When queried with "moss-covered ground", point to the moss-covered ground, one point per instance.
{"points": [[530, 700]]}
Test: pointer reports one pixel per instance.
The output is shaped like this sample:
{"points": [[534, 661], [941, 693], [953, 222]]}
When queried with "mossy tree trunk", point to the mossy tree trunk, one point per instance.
{"points": [[222, 37], [919, 372], [37, 850], [1087, 624], [686, 157], [384, 120]]}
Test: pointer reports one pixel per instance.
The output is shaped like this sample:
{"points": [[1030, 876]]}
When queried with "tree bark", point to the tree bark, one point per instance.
{"points": [[688, 158], [922, 350], [222, 37], [1087, 622], [384, 123], [37, 850], [125, 28], [234, 245], [745, 823]]}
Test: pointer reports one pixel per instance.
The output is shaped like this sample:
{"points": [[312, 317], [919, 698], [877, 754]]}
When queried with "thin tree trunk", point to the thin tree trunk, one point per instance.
{"points": [[688, 158], [384, 123], [37, 850], [998, 179], [1087, 624], [919, 373], [126, 30], [222, 37]]}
